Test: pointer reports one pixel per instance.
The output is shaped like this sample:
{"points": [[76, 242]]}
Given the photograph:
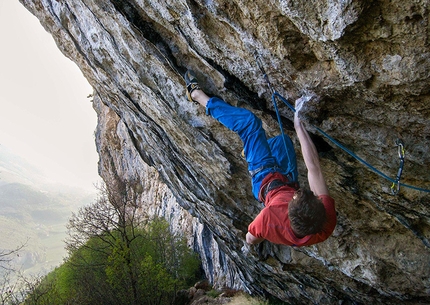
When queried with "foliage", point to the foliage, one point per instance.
{"points": [[213, 293], [157, 285], [116, 258]]}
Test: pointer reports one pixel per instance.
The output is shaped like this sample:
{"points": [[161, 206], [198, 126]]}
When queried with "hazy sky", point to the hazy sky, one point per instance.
{"points": [[45, 115]]}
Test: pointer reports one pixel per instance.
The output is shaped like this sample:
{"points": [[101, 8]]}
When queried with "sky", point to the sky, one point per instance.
{"points": [[45, 115]]}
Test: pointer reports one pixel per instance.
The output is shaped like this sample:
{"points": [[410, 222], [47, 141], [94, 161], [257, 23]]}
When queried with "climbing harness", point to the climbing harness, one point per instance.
{"points": [[396, 184]]}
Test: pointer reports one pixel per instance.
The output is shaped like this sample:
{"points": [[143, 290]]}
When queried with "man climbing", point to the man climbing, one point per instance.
{"points": [[291, 215]]}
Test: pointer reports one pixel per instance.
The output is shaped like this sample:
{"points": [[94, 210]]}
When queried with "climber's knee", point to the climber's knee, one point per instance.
{"points": [[248, 124]]}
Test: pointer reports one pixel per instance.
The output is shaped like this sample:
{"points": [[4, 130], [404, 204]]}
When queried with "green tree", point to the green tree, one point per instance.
{"points": [[113, 221], [157, 285], [116, 258]]}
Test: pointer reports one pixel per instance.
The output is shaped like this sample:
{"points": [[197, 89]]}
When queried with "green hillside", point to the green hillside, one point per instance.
{"points": [[34, 213]]}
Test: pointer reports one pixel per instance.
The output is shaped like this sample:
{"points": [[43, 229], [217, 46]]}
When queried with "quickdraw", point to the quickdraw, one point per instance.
{"points": [[395, 188]]}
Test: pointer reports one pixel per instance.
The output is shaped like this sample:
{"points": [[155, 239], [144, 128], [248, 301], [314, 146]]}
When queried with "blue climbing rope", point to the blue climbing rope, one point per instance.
{"points": [[395, 188]]}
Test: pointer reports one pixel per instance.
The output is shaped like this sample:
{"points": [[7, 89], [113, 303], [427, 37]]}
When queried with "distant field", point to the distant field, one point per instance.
{"points": [[38, 220]]}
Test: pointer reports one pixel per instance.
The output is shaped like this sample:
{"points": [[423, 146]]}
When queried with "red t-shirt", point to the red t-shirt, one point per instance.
{"points": [[273, 223]]}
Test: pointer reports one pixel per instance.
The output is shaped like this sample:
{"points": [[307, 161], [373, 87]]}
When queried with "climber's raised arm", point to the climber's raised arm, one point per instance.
{"points": [[316, 180]]}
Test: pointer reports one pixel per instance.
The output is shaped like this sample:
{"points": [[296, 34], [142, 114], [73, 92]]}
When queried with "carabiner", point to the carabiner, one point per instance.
{"points": [[400, 148], [259, 62], [395, 188]]}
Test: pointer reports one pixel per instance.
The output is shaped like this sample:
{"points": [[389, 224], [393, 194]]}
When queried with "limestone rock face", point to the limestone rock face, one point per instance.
{"points": [[365, 67]]}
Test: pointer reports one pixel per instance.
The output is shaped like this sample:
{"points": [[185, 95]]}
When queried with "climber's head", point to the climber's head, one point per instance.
{"points": [[306, 213]]}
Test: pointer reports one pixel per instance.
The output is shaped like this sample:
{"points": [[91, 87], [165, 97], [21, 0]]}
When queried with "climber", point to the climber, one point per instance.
{"points": [[291, 215]]}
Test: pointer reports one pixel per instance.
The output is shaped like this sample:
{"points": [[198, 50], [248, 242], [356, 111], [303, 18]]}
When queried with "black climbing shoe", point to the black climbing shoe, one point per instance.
{"points": [[192, 84]]}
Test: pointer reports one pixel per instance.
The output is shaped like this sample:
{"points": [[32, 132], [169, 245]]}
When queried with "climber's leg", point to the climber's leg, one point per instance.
{"points": [[247, 126], [250, 130]]}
